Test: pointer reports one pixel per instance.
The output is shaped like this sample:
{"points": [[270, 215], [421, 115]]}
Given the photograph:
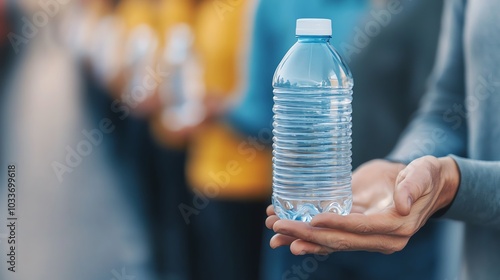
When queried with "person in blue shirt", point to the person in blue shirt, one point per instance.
{"points": [[447, 164], [381, 111]]}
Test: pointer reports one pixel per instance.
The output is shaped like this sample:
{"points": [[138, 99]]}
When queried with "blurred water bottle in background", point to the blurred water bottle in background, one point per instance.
{"points": [[312, 127], [76, 30], [140, 48], [140, 54], [105, 55], [183, 89]]}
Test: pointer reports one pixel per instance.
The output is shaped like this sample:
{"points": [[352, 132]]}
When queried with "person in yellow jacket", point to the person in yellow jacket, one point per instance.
{"points": [[171, 237], [221, 164], [220, 41]]}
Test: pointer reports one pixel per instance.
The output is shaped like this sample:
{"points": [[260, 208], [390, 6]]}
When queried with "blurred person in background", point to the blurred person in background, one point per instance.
{"points": [[222, 164], [6, 50], [82, 213], [7, 53], [231, 221], [381, 109], [99, 197], [134, 94]]}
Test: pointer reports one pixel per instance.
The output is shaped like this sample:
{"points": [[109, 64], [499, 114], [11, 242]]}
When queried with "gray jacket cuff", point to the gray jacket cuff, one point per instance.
{"points": [[478, 197]]}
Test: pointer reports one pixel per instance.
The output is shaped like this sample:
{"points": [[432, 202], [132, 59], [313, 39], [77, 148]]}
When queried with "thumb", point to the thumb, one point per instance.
{"points": [[407, 191]]}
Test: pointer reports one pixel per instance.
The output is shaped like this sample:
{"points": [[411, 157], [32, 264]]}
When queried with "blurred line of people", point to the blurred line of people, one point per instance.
{"points": [[231, 223], [188, 85]]}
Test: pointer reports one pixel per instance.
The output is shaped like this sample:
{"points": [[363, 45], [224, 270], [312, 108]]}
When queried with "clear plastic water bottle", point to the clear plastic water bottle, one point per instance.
{"points": [[140, 48], [183, 90], [312, 127], [105, 58]]}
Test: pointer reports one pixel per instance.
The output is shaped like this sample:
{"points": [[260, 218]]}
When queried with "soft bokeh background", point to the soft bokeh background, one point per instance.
{"points": [[130, 123]]}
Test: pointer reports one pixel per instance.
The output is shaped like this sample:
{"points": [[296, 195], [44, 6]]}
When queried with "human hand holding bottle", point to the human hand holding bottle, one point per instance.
{"points": [[391, 203]]}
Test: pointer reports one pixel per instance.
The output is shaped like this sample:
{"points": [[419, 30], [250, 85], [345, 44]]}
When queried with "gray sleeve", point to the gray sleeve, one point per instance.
{"points": [[478, 197], [437, 128]]}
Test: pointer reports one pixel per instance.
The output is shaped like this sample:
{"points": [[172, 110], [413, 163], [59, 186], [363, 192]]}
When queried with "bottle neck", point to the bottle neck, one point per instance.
{"points": [[313, 39]]}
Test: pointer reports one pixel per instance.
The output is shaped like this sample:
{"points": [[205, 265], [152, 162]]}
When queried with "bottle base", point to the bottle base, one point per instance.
{"points": [[305, 210]]}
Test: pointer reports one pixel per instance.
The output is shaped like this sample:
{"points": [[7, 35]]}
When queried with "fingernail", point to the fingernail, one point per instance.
{"points": [[410, 201], [302, 253], [271, 243]]}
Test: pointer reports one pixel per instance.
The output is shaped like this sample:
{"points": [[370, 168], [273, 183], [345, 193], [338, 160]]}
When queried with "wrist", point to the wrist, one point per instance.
{"points": [[450, 176]]}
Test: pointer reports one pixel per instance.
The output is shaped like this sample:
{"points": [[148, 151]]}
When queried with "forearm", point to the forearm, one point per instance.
{"points": [[440, 126], [428, 134]]}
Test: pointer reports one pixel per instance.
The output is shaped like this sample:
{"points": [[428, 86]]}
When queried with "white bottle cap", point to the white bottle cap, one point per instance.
{"points": [[314, 27]]}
